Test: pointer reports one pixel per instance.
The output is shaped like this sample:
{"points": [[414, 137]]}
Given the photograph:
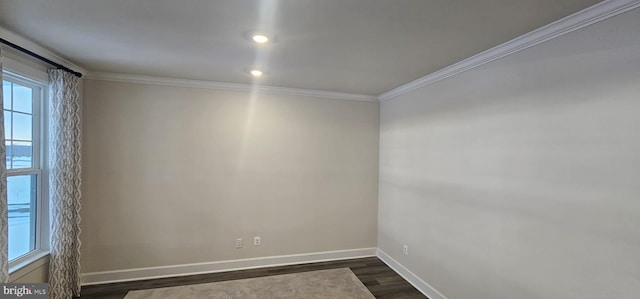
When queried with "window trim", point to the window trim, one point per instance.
{"points": [[40, 141]]}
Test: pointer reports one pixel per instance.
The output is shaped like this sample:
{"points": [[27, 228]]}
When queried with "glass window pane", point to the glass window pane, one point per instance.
{"points": [[7, 125], [22, 98], [6, 94], [9, 151], [22, 126], [21, 199], [21, 154]]}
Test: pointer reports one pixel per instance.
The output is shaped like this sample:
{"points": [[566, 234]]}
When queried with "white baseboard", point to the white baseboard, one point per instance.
{"points": [[418, 283], [220, 266]]}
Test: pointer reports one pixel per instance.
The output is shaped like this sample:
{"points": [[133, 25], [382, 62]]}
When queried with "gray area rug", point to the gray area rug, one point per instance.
{"points": [[334, 283]]}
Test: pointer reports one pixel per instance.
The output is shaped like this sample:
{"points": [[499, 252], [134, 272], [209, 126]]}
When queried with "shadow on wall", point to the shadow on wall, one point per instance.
{"points": [[490, 88]]}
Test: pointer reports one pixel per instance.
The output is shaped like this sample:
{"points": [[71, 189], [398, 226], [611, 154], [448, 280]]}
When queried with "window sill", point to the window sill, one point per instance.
{"points": [[30, 263]]}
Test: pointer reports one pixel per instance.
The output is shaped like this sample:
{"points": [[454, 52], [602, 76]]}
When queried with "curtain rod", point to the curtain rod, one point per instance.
{"points": [[34, 55]]}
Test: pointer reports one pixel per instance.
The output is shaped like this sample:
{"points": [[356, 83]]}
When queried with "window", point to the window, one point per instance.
{"points": [[28, 213]]}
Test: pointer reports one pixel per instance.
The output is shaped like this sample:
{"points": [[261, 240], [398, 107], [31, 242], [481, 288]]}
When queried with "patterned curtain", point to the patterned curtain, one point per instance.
{"points": [[64, 185], [4, 225]]}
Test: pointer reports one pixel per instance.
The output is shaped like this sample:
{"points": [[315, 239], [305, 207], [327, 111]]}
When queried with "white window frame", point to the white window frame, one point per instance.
{"points": [[40, 163]]}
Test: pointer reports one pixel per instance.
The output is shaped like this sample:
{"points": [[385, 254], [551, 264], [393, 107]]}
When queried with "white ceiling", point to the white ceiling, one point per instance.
{"points": [[351, 46]]}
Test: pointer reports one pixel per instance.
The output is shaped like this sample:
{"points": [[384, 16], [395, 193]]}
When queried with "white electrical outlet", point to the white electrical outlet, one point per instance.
{"points": [[405, 249], [239, 243], [257, 241]]}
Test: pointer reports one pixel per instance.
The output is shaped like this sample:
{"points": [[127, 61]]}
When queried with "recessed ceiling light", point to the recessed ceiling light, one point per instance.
{"points": [[256, 73], [260, 38]]}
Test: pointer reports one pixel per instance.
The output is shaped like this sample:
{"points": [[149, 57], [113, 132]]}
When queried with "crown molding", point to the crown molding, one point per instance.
{"points": [[38, 49], [127, 78], [583, 18]]}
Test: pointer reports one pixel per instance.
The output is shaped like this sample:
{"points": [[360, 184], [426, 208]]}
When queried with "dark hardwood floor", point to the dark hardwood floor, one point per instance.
{"points": [[381, 280]]}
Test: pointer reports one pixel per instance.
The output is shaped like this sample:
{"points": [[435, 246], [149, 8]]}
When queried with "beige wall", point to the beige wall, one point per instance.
{"points": [[521, 178], [174, 175], [36, 272]]}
